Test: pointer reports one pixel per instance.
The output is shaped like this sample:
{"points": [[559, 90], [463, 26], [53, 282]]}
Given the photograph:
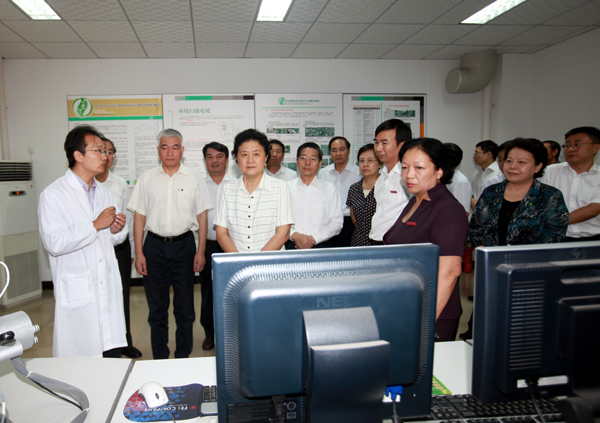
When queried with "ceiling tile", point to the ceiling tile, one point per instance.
{"points": [[224, 10], [20, 51], [104, 31], [365, 51], [334, 33], [158, 50], [455, 52], [354, 11], [43, 31], [7, 35], [66, 50], [305, 10], [534, 12], [164, 32], [89, 10], [149, 10], [215, 32], [541, 35], [10, 12], [278, 32], [117, 50], [270, 49], [512, 49], [461, 11], [220, 49], [416, 11], [586, 14], [387, 33], [491, 34], [318, 50], [439, 34], [409, 51]]}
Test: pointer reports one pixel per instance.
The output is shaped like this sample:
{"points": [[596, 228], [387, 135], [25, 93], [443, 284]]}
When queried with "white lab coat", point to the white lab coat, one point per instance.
{"points": [[88, 317]]}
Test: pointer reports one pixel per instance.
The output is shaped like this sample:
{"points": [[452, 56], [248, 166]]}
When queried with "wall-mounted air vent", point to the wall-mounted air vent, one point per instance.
{"points": [[15, 171]]}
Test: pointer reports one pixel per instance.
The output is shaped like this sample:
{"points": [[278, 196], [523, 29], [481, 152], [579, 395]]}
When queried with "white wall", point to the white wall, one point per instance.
{"points": [[36, 92]]}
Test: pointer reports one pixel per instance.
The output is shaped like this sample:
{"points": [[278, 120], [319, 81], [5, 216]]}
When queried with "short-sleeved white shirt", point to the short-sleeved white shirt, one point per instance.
{"points": [[252, 218], [341, 181], [579, 190], [120, 192], [170, 203], [316, 208], [480, 177], [213, 188], [283, 174], [460, 187], [391, 198]]}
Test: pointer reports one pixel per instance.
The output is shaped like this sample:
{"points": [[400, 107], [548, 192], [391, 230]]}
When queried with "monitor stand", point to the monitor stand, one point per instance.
{"points": [[346, 366]]}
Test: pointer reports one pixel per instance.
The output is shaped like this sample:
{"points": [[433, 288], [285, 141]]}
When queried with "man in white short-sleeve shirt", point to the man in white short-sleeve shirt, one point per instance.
{"points": [[315, 203], [460, 186], [579, 181], [485, 157], [274, 167], [341, 173], [390, 193], [170, 202]]}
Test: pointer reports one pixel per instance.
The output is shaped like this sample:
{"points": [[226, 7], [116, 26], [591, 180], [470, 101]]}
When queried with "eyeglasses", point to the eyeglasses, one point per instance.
{"points": [[110, 153], [576, 144], [313, 159], [369, 160], [101, 152]]}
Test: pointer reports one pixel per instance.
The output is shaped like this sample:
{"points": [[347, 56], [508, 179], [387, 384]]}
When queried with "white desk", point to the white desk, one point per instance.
{"points": [[452, 365], [175, 372], [102, 380]]}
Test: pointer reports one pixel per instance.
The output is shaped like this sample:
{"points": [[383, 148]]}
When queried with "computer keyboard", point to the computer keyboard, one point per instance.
{"points": [[467, 409]]}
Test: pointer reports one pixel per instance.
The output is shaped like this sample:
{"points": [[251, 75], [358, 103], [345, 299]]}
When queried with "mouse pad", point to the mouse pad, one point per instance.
{"points": [[184, 404]]}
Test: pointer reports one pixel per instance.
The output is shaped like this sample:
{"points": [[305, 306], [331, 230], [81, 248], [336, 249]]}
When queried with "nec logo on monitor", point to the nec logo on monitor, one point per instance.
{"points": [[335, 301]]}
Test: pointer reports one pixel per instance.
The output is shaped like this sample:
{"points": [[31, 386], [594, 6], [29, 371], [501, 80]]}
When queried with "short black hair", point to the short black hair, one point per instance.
{"points": [[592, 132], [437, 153], [310, 144], [455, 154], [216, 146], [403, 131], [250, 135], [368, 147], [75, 141], [279, 143], [338, 138], [535, 147], [488, 146], [111, 143], [504, 146], [553, 146]]}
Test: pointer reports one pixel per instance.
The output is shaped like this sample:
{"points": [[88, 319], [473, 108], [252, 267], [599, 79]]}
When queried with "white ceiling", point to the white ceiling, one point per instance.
{"points": [[316, 29]]}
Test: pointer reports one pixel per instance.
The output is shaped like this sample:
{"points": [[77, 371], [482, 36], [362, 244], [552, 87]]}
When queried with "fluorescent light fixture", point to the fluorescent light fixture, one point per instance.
{"points": [[273, 10], [491, 11], [37, 9]]}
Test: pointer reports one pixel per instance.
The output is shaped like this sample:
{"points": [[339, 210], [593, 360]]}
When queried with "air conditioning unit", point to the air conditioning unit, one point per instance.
{"points": [[18, 233]]}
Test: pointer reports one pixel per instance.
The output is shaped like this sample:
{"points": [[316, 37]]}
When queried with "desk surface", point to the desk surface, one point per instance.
{"points": [[100, 378]]}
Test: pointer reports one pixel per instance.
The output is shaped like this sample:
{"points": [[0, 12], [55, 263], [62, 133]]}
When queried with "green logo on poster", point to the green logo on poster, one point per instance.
{"points": [[282, 100], [82, 107]]}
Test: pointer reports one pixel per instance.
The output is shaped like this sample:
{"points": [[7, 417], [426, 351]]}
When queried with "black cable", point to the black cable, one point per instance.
{"points": [[50, 391], [172, 418], [278, 401], [395, 418], [532, 383]]}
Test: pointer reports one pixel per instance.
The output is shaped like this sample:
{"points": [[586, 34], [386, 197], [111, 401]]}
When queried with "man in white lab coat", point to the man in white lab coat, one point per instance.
{"points": [[79, 225]]}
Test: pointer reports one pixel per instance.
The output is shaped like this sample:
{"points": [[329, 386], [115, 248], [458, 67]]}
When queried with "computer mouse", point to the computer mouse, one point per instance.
{"points": [[154, 394]]}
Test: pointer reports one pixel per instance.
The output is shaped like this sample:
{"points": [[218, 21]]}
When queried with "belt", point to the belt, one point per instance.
{"points": [[210, 241], [170, 239], [376, 242]]}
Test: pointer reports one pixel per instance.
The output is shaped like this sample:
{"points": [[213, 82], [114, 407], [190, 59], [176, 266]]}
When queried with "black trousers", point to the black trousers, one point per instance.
{"points": [[170, 264], [207, 319], [344, 238], [123, 253]]}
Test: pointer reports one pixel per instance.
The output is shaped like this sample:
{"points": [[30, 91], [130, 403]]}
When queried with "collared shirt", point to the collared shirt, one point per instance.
{"points": [[316, 208], [213, 189], [120, 192], [480, 177], [283, 174], [341, 181], [391, 199], [90, 191], [460, 187], [252, 218], [170, 203], [579, 190]]}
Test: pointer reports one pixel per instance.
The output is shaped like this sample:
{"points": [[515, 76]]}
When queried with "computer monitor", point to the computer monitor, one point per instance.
{"points": [[322, 333], [537, 315]]}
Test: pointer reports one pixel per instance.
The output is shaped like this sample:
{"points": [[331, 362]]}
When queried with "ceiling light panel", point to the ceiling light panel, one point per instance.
{"points": [[492, 11], [273, 10], [37, 10]]}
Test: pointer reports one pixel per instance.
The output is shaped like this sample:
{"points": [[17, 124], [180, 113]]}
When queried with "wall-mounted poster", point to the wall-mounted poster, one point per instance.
{"points": [[205, 118], [364, 112], [295, 119], [130, 122]]}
